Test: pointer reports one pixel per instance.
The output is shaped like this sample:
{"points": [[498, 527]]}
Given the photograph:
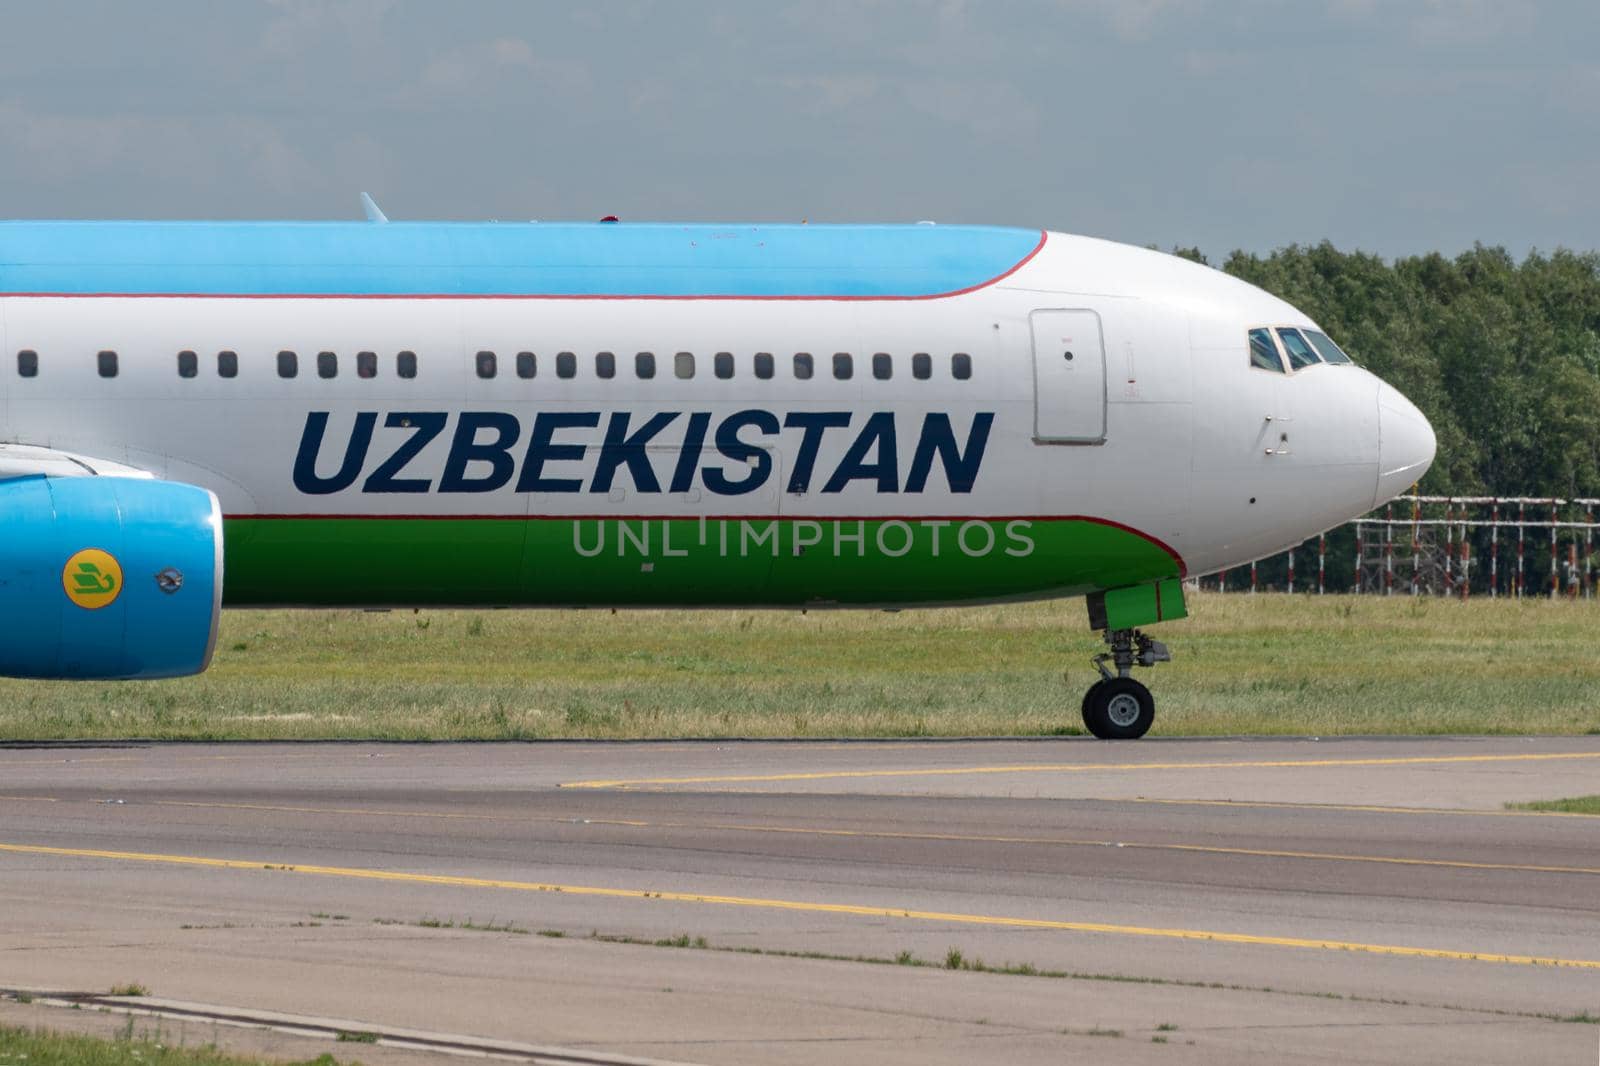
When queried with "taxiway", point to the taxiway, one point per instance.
{"points": [[1209, 900]]}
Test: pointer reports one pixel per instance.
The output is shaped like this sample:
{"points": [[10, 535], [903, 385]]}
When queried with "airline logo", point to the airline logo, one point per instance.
{"points": [[92, 579], [645, 452]]}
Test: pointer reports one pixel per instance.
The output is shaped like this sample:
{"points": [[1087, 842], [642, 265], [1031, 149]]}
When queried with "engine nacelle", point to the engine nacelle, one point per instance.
{"points": [[108, 578]]}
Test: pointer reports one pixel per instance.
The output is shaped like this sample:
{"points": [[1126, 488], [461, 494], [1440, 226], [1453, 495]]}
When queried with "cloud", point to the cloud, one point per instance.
{"points": [[827, 93], [1577, 89], [1210, 62], [489, 68], [1353, 9], [856, 108], [987, 110], [297, 25], [280, 164], [1564, 192], [1459, 23], [1134, 20], [172, 151], [57, 146]]}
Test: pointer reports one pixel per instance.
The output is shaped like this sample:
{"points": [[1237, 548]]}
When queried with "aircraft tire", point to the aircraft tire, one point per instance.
{"points": [[1119, 709], [1087, 696]]}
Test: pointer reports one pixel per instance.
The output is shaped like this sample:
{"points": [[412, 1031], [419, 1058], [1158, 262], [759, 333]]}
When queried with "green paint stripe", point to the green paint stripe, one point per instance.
{"points": [[688, 561]]}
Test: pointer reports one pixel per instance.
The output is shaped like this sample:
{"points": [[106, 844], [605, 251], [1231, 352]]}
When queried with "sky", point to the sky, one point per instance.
{"points": [[1391, 126]]}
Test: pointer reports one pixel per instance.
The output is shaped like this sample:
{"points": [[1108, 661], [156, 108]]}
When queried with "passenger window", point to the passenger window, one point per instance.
{"points": [[803, 367], [28, 363], [605, 365], [683, 365], [922, 366], [566, 365], [883, 366], [288, 364], [644, 365], [961, 366], [188, 364], [1329, 351], [488, 365], [527, 365], [844, 367], [764, 365], [1300, 353], [366, 364], [327, 365], [227, 364], [722, 365], [1263, 353], [405, 365], [108, 364]]}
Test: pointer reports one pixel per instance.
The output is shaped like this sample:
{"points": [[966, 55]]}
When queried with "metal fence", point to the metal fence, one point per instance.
{"points": [[1442, 546]]}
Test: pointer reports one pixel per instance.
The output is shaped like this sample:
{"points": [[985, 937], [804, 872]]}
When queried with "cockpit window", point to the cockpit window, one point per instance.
{"points": [[1263, 353], [1301, 354], [1330, 352]]}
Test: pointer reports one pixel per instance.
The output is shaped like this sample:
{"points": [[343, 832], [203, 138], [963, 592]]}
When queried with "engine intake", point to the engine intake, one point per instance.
{"points": [[108, 578]]}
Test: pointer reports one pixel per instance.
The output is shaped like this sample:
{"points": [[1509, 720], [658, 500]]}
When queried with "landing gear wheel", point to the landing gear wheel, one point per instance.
{"points": [[1087, 697], [1119, 709]]}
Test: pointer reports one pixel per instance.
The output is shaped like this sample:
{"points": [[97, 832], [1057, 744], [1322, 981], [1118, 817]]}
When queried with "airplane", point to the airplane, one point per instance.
{"points": [[384, 413]]}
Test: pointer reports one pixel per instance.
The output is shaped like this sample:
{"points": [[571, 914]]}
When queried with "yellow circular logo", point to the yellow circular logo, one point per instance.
{"points": [[92, 579]]}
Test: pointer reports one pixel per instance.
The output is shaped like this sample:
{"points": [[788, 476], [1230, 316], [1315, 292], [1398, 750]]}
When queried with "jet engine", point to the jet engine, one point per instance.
{"points": [[107, 578]]}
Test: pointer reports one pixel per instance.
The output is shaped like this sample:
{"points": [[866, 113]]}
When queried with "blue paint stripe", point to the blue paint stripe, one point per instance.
{"points": [[503, 259]]}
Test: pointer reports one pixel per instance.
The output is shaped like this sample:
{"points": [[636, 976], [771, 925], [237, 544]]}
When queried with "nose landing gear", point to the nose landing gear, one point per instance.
{"points": [[1117, 707]]}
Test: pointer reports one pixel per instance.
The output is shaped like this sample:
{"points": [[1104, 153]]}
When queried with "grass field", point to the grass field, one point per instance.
{"points": [[23, 1047], [1244, 664], [1572, 805]]}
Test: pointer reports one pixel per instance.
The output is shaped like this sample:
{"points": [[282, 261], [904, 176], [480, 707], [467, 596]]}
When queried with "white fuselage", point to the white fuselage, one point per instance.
{"points": [[1159, 423]]}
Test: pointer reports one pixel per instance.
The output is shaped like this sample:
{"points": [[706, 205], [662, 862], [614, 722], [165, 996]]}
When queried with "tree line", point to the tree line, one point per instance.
{"points": [[1503, 357]]}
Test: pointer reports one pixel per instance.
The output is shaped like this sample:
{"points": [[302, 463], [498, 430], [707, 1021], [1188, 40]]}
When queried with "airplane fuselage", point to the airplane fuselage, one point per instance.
{"points": [[539, 414]]}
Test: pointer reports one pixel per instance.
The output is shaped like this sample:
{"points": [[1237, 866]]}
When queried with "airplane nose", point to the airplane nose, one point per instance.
{"points": [[1405, 444]]}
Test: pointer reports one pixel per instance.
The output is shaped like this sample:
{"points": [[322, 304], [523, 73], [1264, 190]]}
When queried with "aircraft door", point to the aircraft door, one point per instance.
{"points": [[1069, 377]]}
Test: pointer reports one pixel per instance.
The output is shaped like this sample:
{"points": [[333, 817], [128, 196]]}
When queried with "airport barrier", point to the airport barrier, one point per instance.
{"points": [[1441, 546]]}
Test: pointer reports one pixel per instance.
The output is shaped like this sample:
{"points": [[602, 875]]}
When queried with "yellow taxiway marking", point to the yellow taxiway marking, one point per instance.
{"points": [[1360, 808], [366, 812], [1038, 768], [960, 838], [137, 756], [1205, 849], [854, 910]]}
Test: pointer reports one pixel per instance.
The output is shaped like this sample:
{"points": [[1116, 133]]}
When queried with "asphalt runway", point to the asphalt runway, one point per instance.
{"points": [[1285, 901]]}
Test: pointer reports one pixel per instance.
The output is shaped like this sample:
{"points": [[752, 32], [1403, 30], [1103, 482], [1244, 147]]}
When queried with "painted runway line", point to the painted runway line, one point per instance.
{"points": [[1081, 768], [978, 838], [872, 834], [854, 910], [1354, 808]]}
